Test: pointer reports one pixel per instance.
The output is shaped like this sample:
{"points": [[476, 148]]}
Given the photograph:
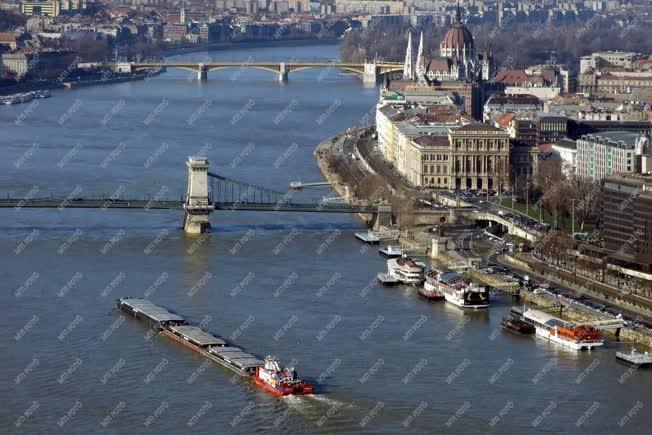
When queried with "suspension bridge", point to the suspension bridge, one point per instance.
{"points": [[207, 192]]}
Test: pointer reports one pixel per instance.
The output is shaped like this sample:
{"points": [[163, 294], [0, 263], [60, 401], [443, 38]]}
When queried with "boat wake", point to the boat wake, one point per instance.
{"points": [[314, 403], [327, 400]]}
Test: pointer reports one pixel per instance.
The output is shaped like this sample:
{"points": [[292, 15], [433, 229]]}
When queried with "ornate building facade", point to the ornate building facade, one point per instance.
{"points": [[457, 58], [479, 155]]}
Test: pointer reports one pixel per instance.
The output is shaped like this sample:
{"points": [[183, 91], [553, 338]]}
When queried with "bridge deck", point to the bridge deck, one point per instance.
{"points": [[108, 203]]}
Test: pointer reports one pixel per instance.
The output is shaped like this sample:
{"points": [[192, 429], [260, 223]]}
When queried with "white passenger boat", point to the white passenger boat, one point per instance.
{"points": [[457, 289], [569, 334], [406, 270]]}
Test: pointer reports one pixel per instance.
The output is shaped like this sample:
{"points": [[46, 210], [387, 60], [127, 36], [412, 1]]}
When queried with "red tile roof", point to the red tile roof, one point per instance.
{"points": [[7, 38], [510, 76], [506, 119]]}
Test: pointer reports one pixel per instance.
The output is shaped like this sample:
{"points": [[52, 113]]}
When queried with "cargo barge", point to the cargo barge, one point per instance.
{"points": [[268, 373]]}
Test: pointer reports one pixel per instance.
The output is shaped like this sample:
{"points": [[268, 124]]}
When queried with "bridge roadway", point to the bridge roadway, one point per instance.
{"points": [[369, 71], [140, 204]]}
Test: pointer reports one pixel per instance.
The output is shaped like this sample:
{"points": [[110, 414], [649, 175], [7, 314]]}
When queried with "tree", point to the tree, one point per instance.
{"points": [[556, 199], [587, 200], [523, 188], [373, 187], [555, 245], [549, 173]]}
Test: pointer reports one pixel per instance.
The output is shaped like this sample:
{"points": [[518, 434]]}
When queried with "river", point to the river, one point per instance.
{"points": [[295, 285]]}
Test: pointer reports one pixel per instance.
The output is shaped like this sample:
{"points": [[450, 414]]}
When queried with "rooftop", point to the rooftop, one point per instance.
{"points": [[641, 181], [565, 143], [523, 99], [478, 127], [628, 138], [432, 141]]}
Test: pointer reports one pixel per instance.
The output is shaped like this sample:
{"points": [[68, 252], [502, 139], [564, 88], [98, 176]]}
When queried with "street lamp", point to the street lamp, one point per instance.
{"points": [[527, 197], [573, 217]]}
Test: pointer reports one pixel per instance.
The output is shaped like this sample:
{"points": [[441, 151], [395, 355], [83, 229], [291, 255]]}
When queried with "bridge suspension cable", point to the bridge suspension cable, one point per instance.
{"points": [[225, 189]]}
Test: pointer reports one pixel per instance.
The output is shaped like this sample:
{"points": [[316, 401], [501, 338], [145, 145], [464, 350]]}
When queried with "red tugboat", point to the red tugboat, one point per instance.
{"points": [[280, 381]]}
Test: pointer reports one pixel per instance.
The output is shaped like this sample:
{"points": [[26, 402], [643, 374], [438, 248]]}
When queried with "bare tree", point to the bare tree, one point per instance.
{"points": [[549, 173], [555, 245], [555, 200], [373, 187], [587, 200], [404, 211]]}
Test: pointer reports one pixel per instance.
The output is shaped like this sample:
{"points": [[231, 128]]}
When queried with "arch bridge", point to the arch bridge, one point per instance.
{"points": [[370, 72]]}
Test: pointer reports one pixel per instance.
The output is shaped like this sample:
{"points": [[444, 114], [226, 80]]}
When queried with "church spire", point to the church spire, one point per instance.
{"points": [[458, 14], [421, 63], [408, 70]]}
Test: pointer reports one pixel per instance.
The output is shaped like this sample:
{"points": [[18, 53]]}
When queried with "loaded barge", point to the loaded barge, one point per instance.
{"points": [[268, 373]]}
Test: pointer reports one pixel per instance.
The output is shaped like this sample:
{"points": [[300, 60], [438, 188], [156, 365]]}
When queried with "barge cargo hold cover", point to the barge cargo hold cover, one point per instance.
{"points": [[197, 336], [280, 381], [142, 309]]}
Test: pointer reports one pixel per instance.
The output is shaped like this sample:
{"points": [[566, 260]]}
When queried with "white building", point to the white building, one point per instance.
{"points": [[602, 154], [566, 150]]}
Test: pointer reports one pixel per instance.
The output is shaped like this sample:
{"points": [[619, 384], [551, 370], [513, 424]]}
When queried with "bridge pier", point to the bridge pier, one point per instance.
{"points": [[282, 72], [384, 217], [371, 75], [197, 206], [202, 72]]}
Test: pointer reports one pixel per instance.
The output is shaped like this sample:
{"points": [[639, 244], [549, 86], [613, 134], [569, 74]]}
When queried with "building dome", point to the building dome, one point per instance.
{"points": [[457, 39]]}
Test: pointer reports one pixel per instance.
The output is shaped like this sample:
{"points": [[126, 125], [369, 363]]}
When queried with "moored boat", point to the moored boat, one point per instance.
{"points": [[429, 290], [577, 337], [406, 270], [431, 295], [518, 326], [457, 289]]}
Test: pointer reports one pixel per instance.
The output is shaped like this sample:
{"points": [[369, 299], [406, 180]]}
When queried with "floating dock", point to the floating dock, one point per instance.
{"points": [[368, 237], [387, 279], [636, 358], [391, 251], [175, 327]]}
